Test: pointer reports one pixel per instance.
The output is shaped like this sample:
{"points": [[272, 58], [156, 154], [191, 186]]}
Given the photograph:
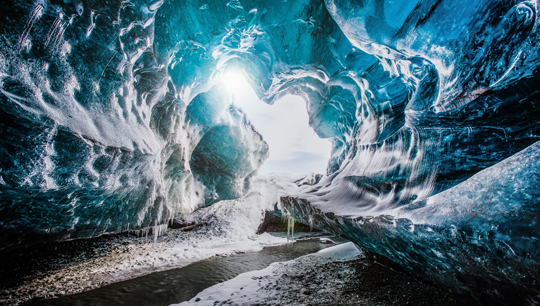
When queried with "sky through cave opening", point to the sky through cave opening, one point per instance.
{"points": [[294, 146]]}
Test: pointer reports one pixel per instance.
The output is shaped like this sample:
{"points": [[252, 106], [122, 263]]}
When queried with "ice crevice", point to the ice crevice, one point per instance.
{"points": [[117, 117]]}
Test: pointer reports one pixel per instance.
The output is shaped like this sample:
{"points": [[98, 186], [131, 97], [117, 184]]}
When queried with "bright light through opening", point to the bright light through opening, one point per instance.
{"points": [[235, 81], [294, 146]]}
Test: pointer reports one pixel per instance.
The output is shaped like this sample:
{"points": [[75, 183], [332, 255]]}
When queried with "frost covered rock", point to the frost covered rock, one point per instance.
{"points": [[326, 241], [310, 179]]}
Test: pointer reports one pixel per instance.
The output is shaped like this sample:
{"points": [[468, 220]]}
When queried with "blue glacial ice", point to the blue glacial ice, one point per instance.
{"points": [[115, 117]]}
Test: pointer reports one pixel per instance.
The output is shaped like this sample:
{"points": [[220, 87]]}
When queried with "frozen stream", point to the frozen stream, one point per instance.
{"points": [[177, 285]]}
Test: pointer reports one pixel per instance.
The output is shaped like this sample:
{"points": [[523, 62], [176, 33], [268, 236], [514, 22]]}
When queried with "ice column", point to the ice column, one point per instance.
{"points": [[290, 228]]}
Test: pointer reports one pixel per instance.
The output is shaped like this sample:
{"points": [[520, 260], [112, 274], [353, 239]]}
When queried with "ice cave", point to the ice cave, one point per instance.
{"points": [[128, 148]]}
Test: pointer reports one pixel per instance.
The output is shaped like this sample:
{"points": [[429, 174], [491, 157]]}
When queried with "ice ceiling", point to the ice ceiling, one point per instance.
{"points": [[115, 116]]}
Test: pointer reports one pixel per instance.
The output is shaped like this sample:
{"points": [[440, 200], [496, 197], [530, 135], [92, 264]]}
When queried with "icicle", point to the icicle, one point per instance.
{"points": [[158, 230], [290, 229], [34, 15], [310, 223]]}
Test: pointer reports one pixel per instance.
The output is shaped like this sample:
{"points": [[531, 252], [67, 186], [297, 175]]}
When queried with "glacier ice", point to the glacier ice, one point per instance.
{"points": [[479, 237], [115, 116], [227, 157]]}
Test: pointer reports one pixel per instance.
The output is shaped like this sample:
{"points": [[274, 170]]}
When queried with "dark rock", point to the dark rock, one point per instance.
{"points": [[273, 223], [175, 223]]}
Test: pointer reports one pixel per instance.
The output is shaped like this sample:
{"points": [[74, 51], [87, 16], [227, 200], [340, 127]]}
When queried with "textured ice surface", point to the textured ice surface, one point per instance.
{"points": [[479, 237], [226, 157], [115, 116]]}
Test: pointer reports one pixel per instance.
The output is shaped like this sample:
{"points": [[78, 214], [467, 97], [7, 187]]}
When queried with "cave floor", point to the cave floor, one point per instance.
{"points": [[76, 266], [56, 269], [319, 280]]}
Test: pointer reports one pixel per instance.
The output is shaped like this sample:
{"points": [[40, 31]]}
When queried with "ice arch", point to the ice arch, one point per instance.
{"points": [[105, 105]]}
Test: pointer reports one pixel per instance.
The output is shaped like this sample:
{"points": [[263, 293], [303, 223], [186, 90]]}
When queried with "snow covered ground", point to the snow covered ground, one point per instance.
{"points": [[260, 286], [340, 275], [229, 228]]}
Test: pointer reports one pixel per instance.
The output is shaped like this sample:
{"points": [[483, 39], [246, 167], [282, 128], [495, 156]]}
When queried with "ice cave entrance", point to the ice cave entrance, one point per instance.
{"points": [[294, 146]]}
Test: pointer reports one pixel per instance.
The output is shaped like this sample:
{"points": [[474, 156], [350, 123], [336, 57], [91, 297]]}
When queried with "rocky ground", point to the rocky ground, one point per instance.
{"points": [[354, 282], [49, 270], [325, 279]]}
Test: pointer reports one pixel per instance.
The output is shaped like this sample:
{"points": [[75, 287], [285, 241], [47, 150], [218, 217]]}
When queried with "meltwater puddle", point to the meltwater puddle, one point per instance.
{"points": [[182, 284]]}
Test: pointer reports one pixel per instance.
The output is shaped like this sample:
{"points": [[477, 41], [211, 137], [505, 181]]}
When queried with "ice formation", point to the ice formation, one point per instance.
{"points": [[115, 116]]}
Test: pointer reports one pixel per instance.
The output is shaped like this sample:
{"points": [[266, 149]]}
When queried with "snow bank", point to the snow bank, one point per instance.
{"points": [[248, 288]]}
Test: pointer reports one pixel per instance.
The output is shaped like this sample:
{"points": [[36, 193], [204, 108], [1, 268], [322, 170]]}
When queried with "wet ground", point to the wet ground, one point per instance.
{"points": [[338, 276], [177, 285], [356, 282]]}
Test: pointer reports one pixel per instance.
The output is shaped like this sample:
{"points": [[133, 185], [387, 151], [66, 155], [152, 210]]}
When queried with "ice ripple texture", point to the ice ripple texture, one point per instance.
{"points": [[115, 117]]}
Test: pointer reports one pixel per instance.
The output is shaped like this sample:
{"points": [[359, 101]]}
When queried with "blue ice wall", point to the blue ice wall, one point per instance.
{"points": [[115, 117], [85, 147], [442, 90], [478, 238], [227, 157], [105, 103]]}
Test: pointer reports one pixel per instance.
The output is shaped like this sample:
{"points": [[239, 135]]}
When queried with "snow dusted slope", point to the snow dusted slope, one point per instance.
{"points": [[239, 219]]}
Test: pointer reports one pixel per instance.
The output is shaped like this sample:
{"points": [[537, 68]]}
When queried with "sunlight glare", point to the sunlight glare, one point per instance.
{"points": [[235, 81]]}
